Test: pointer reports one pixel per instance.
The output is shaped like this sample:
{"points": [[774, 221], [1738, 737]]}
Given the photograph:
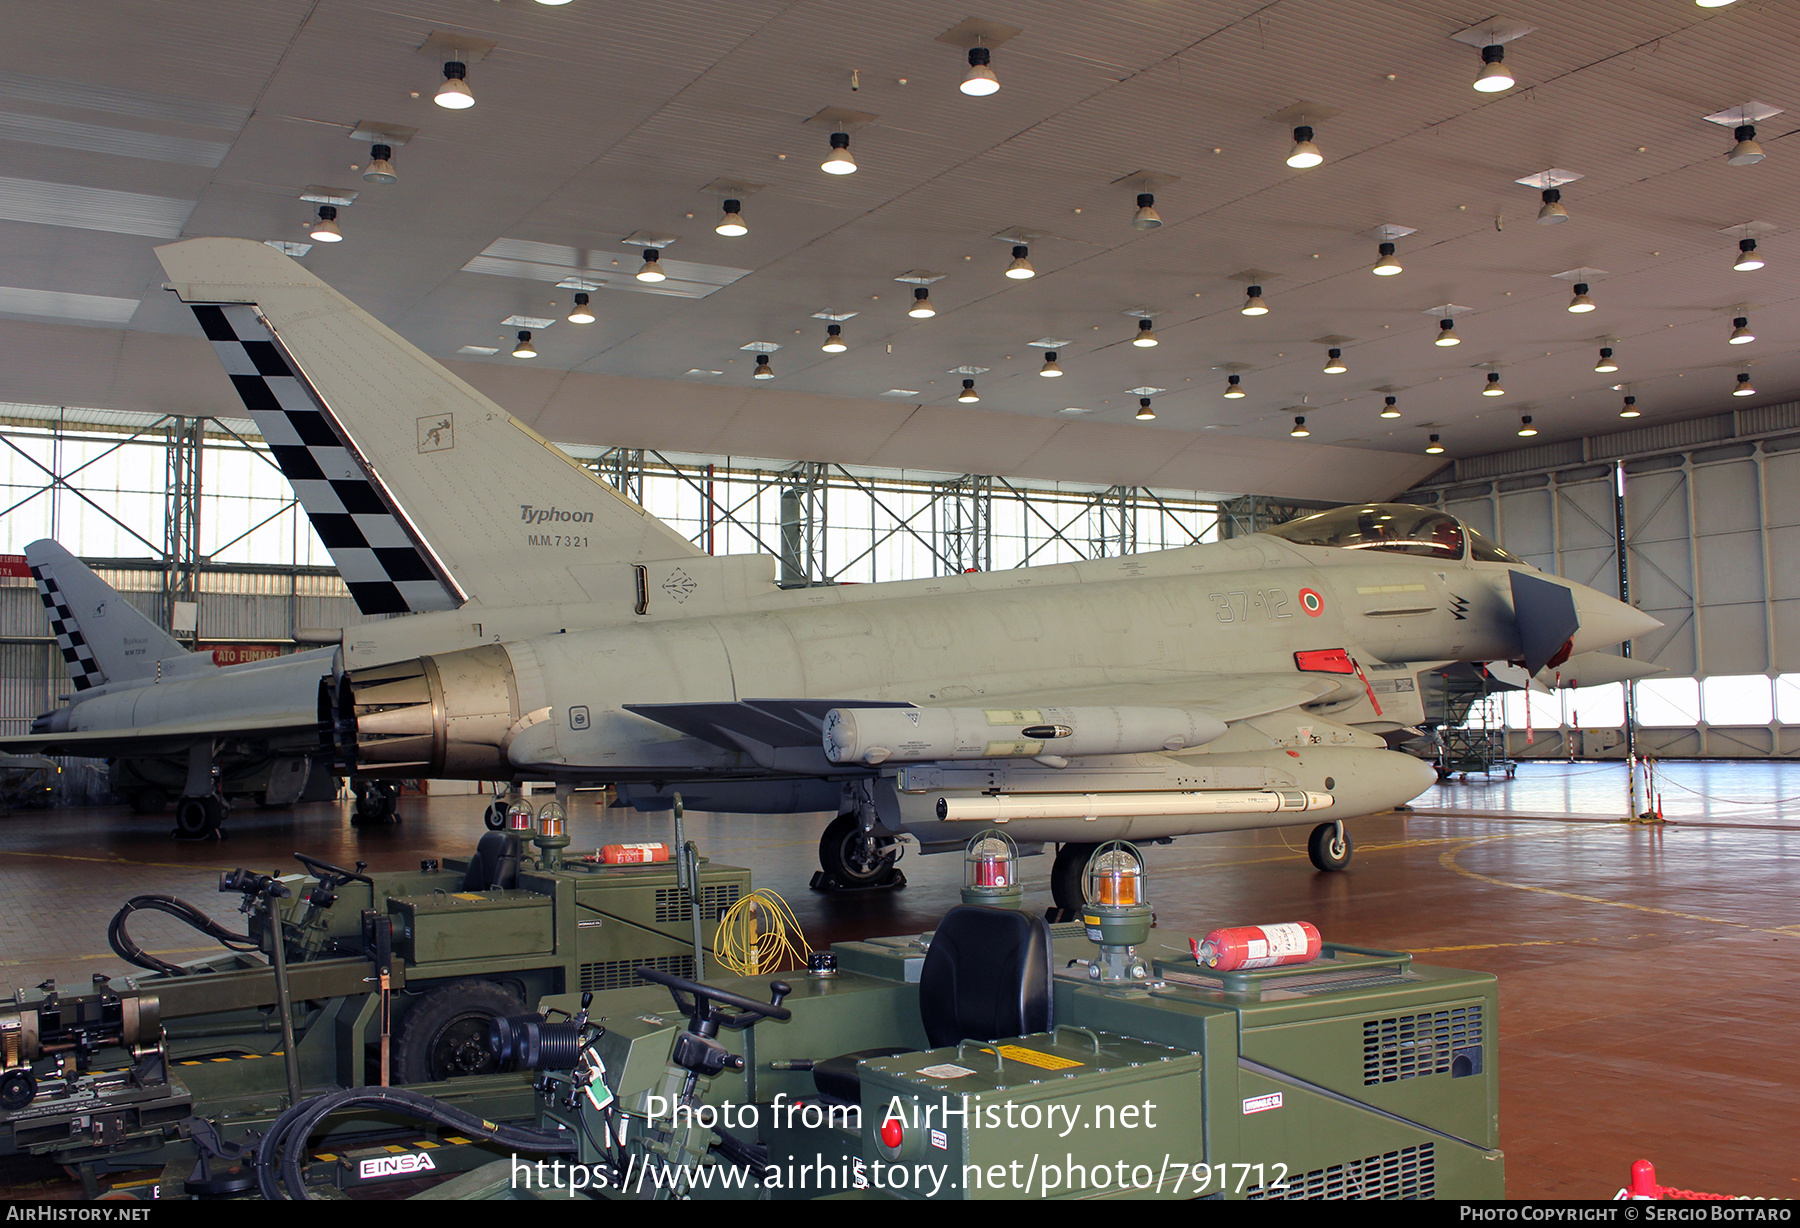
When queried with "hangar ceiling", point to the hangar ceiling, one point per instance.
{"points": [[140, 121]]}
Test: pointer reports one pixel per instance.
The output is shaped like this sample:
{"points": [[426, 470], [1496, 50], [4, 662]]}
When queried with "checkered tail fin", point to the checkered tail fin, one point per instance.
{"points": [[102, 636], [426, 493]]}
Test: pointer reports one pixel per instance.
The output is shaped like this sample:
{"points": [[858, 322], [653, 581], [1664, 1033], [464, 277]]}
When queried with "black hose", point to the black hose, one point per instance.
{"points": [[182, 911], [282, 1150]]}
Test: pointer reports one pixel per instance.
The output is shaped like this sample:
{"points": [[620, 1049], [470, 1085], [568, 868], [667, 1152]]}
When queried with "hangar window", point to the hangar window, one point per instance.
{"points": [[1394, 528], [1597, 707], [1741, 700], [1669, 702], [1787, 699]]}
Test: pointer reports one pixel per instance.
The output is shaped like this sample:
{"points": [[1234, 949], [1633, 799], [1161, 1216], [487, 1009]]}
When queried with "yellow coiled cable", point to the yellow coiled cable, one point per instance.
{"points": [[760, 934]]}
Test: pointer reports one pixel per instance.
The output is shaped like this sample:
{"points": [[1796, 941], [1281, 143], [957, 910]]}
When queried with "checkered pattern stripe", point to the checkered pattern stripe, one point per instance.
{"points": [[75, 650], [383, 565]]}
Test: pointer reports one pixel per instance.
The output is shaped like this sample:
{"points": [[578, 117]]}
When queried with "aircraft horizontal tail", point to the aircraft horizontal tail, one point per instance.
{"points": [[426, 493]]}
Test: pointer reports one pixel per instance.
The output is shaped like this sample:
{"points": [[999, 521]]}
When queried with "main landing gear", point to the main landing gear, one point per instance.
{"points": [[1329, 846], [1066, 887], [201, 818], [853, 860], [375, 802]]}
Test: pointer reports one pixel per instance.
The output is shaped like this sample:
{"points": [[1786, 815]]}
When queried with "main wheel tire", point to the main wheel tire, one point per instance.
{"points": [[447, 1032], [148, 801], [1328, 851], [842, 857], [494, 817], [375, 802], [196, 818], [1066, 885], [17, 1090]]}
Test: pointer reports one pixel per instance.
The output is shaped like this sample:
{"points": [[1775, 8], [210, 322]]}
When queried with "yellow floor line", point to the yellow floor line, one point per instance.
{"points": [[1447, 859]]}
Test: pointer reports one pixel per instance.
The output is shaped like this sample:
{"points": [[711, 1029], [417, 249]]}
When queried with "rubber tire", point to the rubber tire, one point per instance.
{"points": [[837, 847], [1067, 887], [1324, 856], [17, 1090], [196, 818], [375, 803], [494, 817], [148, 801], [438, 1011]]}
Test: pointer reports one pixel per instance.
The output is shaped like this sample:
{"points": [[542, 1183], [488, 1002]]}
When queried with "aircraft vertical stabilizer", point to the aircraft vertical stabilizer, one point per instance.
{"points": [[102, 636], [426, 493]]}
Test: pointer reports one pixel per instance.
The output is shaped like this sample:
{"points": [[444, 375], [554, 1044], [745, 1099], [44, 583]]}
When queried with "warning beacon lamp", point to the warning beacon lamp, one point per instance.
{"points": [[991, 871], [1117, 913], [519, 819], [552, 835]]}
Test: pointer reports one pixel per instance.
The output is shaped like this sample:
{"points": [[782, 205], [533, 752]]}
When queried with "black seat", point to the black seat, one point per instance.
{"points": [[987, 975], [495, 863]]}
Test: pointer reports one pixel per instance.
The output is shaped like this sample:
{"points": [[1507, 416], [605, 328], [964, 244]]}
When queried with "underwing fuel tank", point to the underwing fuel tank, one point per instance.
{"points": [[926, 735], [448, 715]]}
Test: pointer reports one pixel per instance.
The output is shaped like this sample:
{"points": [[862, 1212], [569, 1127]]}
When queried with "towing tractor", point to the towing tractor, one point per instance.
{"points": [[341, 978]]}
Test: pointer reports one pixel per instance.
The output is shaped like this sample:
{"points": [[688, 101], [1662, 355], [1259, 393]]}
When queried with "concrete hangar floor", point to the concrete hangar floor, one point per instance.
{"points": [[1648, 1001]]}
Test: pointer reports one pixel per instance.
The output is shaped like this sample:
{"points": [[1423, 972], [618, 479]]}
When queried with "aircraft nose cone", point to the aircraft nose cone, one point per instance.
{"points": [[1606, 621]]}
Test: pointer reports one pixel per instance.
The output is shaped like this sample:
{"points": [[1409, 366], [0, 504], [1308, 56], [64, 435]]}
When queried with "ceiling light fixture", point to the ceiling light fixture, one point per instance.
{"points": [[1747, 260], [453, 94], [1526, 430], [325, 230], [1746, 152], [1334, 362], [763, 369], [381, 165], [1434, 448], [652, 270], [1146, 217], [834, 339], [980, 80], [732, 223], [1712, 4], [1740, 328], [1234, 388], [839, 161], [1299, 431], [1145, 413], [1744, 387], [524, 348], [1493, 388], [1304, 153], [1389, 264], [1391, 408], [1020, 269], [581, 314], [1629, 409], [1552, 211], [1253, 302], [1582, 302], [1494, 75], [1606, 365], [921, 308], [967, 396], [1146, 335], [1050, 370], [1447, 333]]}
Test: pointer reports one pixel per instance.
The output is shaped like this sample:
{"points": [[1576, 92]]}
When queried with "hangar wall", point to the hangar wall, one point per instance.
{"points": [[1712, 517]]}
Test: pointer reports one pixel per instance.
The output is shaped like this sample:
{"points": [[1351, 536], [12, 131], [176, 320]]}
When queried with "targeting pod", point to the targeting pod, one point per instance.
{"points": [[928, 735]]}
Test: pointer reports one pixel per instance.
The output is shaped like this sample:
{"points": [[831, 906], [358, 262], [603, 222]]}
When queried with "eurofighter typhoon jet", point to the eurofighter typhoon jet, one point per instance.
{"points": [[564, 633]]}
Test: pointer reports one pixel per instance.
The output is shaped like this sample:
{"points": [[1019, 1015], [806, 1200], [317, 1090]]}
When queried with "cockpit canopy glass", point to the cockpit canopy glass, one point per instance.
{"points": [[1392, 528], [1484, 551]]}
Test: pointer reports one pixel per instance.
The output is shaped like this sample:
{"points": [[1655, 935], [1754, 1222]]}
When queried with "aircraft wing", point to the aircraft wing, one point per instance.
{"points": [[170, 737]]}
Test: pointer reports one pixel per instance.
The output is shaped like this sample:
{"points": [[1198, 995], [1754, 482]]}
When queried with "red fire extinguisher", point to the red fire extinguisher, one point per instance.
{"points": [[1257, 946], [633, 854]]}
